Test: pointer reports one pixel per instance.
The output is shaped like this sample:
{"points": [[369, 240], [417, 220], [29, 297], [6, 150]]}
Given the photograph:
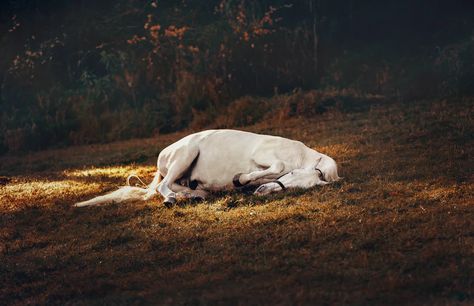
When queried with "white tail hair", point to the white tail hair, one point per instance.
{"points": [[126, 193]]}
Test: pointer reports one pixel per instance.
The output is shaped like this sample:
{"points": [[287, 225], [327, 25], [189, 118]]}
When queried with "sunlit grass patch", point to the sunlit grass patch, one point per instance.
{"points": [[69, 186], [447, 192], [23, 194], [341, 151], [111, 172]]}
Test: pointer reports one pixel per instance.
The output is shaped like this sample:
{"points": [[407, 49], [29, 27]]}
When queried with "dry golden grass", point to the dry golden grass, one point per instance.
{"points": [[398, 229]]}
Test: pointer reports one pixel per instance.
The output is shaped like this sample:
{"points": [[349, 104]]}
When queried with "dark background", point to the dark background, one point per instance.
{"points": [[74, 72]]}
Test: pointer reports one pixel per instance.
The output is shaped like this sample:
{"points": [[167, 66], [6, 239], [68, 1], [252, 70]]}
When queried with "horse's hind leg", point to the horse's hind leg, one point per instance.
{"points": [[184, 191], [180, 161]]}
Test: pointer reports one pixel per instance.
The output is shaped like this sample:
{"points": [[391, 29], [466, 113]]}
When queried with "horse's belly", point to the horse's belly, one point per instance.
{"points": [[217, 176], [216, 168]]}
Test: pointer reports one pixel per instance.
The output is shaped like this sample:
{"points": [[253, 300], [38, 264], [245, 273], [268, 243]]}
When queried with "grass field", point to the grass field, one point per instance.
{"points": [[398, 229]]}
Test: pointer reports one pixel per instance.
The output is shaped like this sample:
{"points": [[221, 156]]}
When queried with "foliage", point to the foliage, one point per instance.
{"points": [[95, 71]]}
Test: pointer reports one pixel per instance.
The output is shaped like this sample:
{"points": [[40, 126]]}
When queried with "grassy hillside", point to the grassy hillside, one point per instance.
{"points": [[398, 229]]}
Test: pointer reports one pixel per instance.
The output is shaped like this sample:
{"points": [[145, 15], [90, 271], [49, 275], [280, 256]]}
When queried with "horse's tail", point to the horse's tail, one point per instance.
{"points": [[126, 193]]}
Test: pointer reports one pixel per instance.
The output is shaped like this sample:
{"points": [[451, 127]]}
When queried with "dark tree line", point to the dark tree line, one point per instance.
{"points": [[89, 71]]}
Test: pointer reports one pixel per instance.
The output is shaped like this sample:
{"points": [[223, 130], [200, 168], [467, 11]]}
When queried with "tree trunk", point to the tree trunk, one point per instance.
{"points": [[314, 7]]}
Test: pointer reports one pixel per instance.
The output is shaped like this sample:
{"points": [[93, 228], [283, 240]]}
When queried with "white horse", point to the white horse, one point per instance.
{"points": [[215, 160]]}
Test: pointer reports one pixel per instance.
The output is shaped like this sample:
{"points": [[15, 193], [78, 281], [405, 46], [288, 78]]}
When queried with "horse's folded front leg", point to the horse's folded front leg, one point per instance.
{"points": [[276, 169]]}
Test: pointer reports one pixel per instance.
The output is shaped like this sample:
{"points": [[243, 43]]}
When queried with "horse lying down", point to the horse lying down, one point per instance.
{"points": [[216, 160]]}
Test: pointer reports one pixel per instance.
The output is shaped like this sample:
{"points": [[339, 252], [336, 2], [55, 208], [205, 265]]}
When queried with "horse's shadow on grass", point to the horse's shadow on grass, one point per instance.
{"points": [[245, 197]]}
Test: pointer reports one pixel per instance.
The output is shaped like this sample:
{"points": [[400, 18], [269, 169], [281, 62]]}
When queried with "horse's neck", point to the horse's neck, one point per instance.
{"points": [[312, 158]]}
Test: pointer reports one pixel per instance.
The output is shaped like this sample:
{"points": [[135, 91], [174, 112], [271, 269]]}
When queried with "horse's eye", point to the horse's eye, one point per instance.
{"points": [[320, 174], [291, 173]]}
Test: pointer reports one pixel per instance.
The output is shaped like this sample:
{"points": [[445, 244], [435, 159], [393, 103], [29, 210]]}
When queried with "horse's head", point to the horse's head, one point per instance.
{"points": [[323, 173], [298, 178], [328, 168]]}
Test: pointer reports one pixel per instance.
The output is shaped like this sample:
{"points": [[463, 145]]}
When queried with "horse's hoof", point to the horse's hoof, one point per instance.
{"points": [[196, 199], [264, 190], [260, 190], [169, 202], [236, 181]]}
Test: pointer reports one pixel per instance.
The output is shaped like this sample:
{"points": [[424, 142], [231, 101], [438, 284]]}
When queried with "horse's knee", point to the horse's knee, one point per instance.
{"points": [[238, 179], [280, 166]]}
